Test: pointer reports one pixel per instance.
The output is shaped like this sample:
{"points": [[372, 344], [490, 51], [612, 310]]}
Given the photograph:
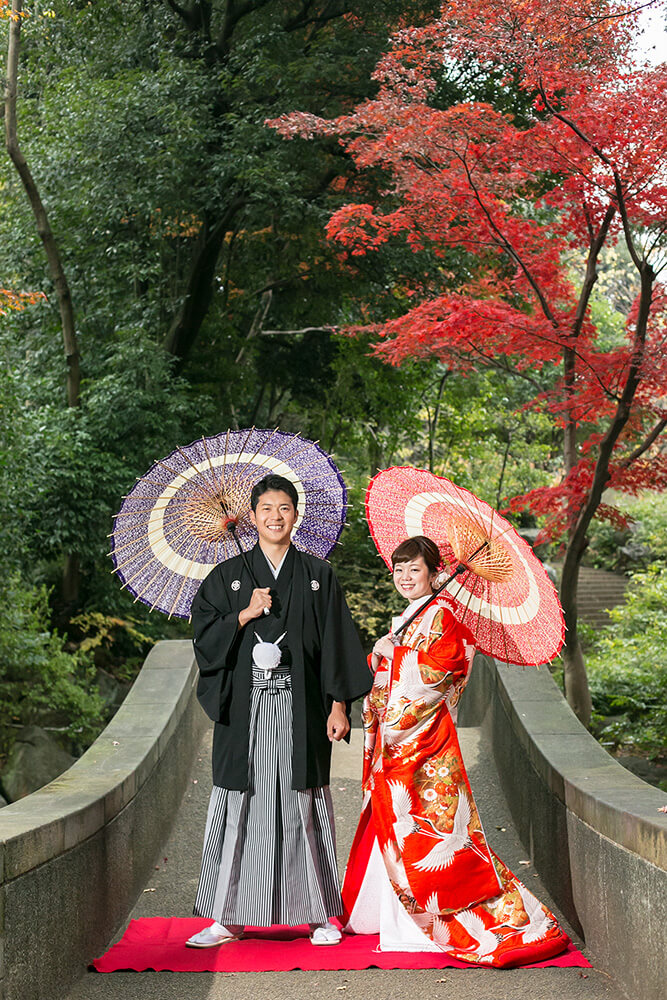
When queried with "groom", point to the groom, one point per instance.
{"points": [[269, 845]]}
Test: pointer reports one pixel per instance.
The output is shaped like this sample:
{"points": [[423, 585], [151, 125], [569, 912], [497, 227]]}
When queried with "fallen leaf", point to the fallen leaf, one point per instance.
{"points": [[524, 862], [115, 743], [501, 828], [662, 809], [149, 890]]}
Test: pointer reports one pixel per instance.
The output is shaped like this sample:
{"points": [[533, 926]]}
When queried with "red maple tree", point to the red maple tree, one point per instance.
{"points": [[534, 201]]}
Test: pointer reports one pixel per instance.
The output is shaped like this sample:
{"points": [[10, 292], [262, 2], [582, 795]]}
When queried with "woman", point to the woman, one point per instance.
{"points": [[420, 871]]}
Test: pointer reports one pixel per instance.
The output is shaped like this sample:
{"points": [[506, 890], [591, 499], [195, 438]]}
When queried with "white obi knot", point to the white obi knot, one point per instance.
{"points": [[267, 655]]}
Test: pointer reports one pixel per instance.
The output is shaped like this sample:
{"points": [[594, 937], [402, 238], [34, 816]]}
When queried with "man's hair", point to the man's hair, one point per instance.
{"points": [[273, 482], [412, 548]]}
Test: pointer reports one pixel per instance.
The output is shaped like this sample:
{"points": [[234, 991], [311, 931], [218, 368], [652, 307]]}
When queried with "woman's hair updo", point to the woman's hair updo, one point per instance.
{"points": [[412, 548]]}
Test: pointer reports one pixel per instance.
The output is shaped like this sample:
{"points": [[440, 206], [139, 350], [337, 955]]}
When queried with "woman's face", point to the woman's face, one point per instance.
{"points": [[413, 579]]}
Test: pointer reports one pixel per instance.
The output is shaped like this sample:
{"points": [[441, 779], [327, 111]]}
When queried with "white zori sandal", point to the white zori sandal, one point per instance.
{"points": [[325, 934], [214, 935]]}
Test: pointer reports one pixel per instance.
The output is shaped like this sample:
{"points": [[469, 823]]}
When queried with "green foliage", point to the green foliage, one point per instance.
{"points": [[118, 645], [39, 680], [366, 581], [486, 439], [63, 471], [627, 668], [141, 141], [645, 537]]}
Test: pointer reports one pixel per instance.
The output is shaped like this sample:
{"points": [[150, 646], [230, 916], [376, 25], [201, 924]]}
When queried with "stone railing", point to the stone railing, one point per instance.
{"points": [[75, 855], [593, 829]]}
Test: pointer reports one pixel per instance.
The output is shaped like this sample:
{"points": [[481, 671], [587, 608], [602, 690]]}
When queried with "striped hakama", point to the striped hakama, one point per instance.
{"points": [[269, 852]]}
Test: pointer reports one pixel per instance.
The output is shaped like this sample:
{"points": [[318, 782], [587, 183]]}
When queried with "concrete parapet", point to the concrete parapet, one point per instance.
{"points": [[592, 828], [75, 854]]}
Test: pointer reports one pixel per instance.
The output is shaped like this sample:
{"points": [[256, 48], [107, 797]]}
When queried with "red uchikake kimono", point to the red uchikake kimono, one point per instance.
{"points": [[420, 870]]}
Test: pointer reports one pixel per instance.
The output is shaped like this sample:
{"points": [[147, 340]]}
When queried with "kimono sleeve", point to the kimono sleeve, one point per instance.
{"points": [[216, 630], [344, 672]]}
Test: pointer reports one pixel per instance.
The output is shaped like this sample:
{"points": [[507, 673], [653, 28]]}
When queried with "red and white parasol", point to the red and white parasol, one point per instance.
{"points": [[501, 590]]}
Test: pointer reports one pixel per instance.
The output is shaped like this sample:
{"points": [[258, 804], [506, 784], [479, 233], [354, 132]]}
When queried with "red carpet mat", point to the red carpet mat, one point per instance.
{"points": [[159, 943]]}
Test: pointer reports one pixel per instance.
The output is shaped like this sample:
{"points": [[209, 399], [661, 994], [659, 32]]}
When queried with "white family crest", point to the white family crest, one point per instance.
{"points": [[236, 584], [314, 585]]}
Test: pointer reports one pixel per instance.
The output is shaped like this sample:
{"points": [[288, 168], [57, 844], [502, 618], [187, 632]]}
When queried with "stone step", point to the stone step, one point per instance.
{"points": [[598, 591]]}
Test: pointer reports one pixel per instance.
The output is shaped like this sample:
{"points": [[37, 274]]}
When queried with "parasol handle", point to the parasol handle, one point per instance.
{"points": [[429, 600], [232, 527]]}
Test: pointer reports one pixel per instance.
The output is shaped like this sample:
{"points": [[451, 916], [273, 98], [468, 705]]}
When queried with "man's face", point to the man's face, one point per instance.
{"points": [[274, 518]]}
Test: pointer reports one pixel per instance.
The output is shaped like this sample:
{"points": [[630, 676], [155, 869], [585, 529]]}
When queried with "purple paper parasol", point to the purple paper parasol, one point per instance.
{"points": [[180, 519]]}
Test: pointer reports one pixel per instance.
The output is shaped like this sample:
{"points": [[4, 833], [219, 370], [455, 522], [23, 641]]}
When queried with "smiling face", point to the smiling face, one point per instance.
{"points": [[274, 517], [413, 579]]}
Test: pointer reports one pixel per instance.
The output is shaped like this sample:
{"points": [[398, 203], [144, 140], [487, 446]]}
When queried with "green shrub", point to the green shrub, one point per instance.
{"points": [[627, 668], [646, 534], [117, 645], [40, 682]]}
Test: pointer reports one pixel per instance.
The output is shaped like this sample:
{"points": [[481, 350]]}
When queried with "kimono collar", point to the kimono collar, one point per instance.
{"points": [[276, 569], [409, 611]]}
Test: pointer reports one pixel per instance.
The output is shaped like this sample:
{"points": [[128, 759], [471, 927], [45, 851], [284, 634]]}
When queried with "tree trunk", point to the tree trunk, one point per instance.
{"points": [[577, 691], [433, 424], [188, 321], [71, 578], [71, 569], [43, 226], [576, 681]]}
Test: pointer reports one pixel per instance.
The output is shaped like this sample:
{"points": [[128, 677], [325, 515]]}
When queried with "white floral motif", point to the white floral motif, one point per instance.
{"points": [[236, 584], [314, 585]]}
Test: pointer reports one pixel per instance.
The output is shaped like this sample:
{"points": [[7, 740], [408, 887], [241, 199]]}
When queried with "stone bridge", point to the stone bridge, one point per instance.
{"points": [[83, 854]]}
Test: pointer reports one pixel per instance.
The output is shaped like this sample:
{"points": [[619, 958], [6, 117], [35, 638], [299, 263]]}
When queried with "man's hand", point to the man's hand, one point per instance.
{"points": [[261, 599], [337, 725]]}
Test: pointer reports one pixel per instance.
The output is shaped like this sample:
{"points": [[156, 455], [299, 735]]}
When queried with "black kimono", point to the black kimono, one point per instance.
{"points": [[321, 647]]}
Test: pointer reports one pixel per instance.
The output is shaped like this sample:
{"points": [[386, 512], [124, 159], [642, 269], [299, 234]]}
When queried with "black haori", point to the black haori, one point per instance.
{"points": [[327, 661]]}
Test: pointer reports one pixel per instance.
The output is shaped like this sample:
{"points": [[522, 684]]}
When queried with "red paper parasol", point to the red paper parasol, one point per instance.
{"points": [[503, 593]]}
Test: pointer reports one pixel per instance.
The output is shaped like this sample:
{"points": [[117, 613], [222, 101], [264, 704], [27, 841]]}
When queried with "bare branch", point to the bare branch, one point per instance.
{"points": [[618, 185], [508, 247], [188, 16], [256, 325], [234, 13], [646, 444], [295, 333]]}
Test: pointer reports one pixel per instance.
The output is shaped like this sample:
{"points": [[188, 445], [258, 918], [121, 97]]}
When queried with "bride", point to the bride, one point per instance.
{"points": [[421, 873]]}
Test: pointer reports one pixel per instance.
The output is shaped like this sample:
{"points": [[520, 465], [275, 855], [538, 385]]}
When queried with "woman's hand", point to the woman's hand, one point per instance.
{"points": [[261, 599], [338, 725], [383, 647]]}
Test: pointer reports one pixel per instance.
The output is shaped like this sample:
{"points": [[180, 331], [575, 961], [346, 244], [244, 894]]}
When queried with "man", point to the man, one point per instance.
{"points": [[269, 847]]}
